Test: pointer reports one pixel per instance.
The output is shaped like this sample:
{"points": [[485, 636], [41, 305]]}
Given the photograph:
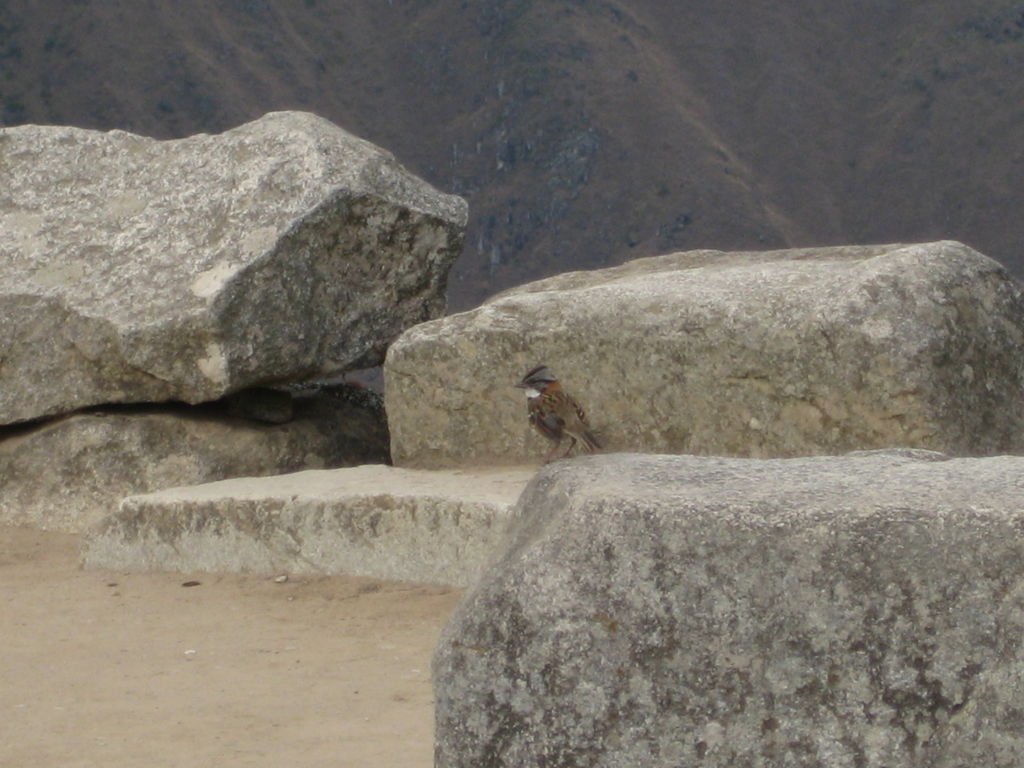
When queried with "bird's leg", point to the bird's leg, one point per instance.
{"points": [[551, 453], [572, 444]]}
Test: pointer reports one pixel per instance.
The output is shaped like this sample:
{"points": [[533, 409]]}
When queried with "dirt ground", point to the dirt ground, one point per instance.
{"points": [[100, 668]]}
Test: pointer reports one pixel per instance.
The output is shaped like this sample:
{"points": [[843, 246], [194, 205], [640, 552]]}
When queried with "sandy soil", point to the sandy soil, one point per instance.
{"points": [[99, 668]]}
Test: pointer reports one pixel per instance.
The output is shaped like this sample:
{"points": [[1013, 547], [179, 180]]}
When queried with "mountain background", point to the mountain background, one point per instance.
{"points": [[585, 133]]}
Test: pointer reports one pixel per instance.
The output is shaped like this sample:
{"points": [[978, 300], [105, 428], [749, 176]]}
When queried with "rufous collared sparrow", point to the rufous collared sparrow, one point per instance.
{"points": [[555, 413]]}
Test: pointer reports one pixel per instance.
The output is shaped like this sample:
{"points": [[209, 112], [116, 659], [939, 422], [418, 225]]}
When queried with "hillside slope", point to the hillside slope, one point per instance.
{"points": [[586, 132]]}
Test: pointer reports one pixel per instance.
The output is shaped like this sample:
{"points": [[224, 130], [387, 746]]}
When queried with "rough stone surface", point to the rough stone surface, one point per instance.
{"points": [[784, 353], [864, 610], [137, 270], [380, 521], [69, 473]]}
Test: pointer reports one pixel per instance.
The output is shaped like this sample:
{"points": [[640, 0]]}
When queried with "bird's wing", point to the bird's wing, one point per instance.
{"points": [[571, 409], [547, 422]]}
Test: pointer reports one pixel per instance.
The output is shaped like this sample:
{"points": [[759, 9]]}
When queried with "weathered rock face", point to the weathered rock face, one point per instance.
{"points": [[136, 270], [682, 611], [781, 353], [385, 522], [69, 473]]}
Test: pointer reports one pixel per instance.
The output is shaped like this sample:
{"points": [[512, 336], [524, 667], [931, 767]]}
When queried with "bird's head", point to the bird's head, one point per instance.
{"points": [[537, 380]]}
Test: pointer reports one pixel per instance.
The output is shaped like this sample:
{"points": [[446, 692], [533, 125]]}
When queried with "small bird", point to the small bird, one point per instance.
{"points": [[555, 413]]}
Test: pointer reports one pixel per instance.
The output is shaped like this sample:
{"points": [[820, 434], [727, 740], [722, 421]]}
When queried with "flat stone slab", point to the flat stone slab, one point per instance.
{"points": [[372, 520], [68, 474]]}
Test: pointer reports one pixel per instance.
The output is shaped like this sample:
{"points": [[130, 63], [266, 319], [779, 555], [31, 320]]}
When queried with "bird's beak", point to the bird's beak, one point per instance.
{"points": [[520, 385]]}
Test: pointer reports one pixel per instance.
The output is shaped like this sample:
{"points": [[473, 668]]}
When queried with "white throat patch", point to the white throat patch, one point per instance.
{"points": [[532, 393]]}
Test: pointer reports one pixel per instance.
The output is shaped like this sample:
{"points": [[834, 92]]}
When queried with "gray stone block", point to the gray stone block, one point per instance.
{"points": [[137, 270], [784, 353], [655, 611]]}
